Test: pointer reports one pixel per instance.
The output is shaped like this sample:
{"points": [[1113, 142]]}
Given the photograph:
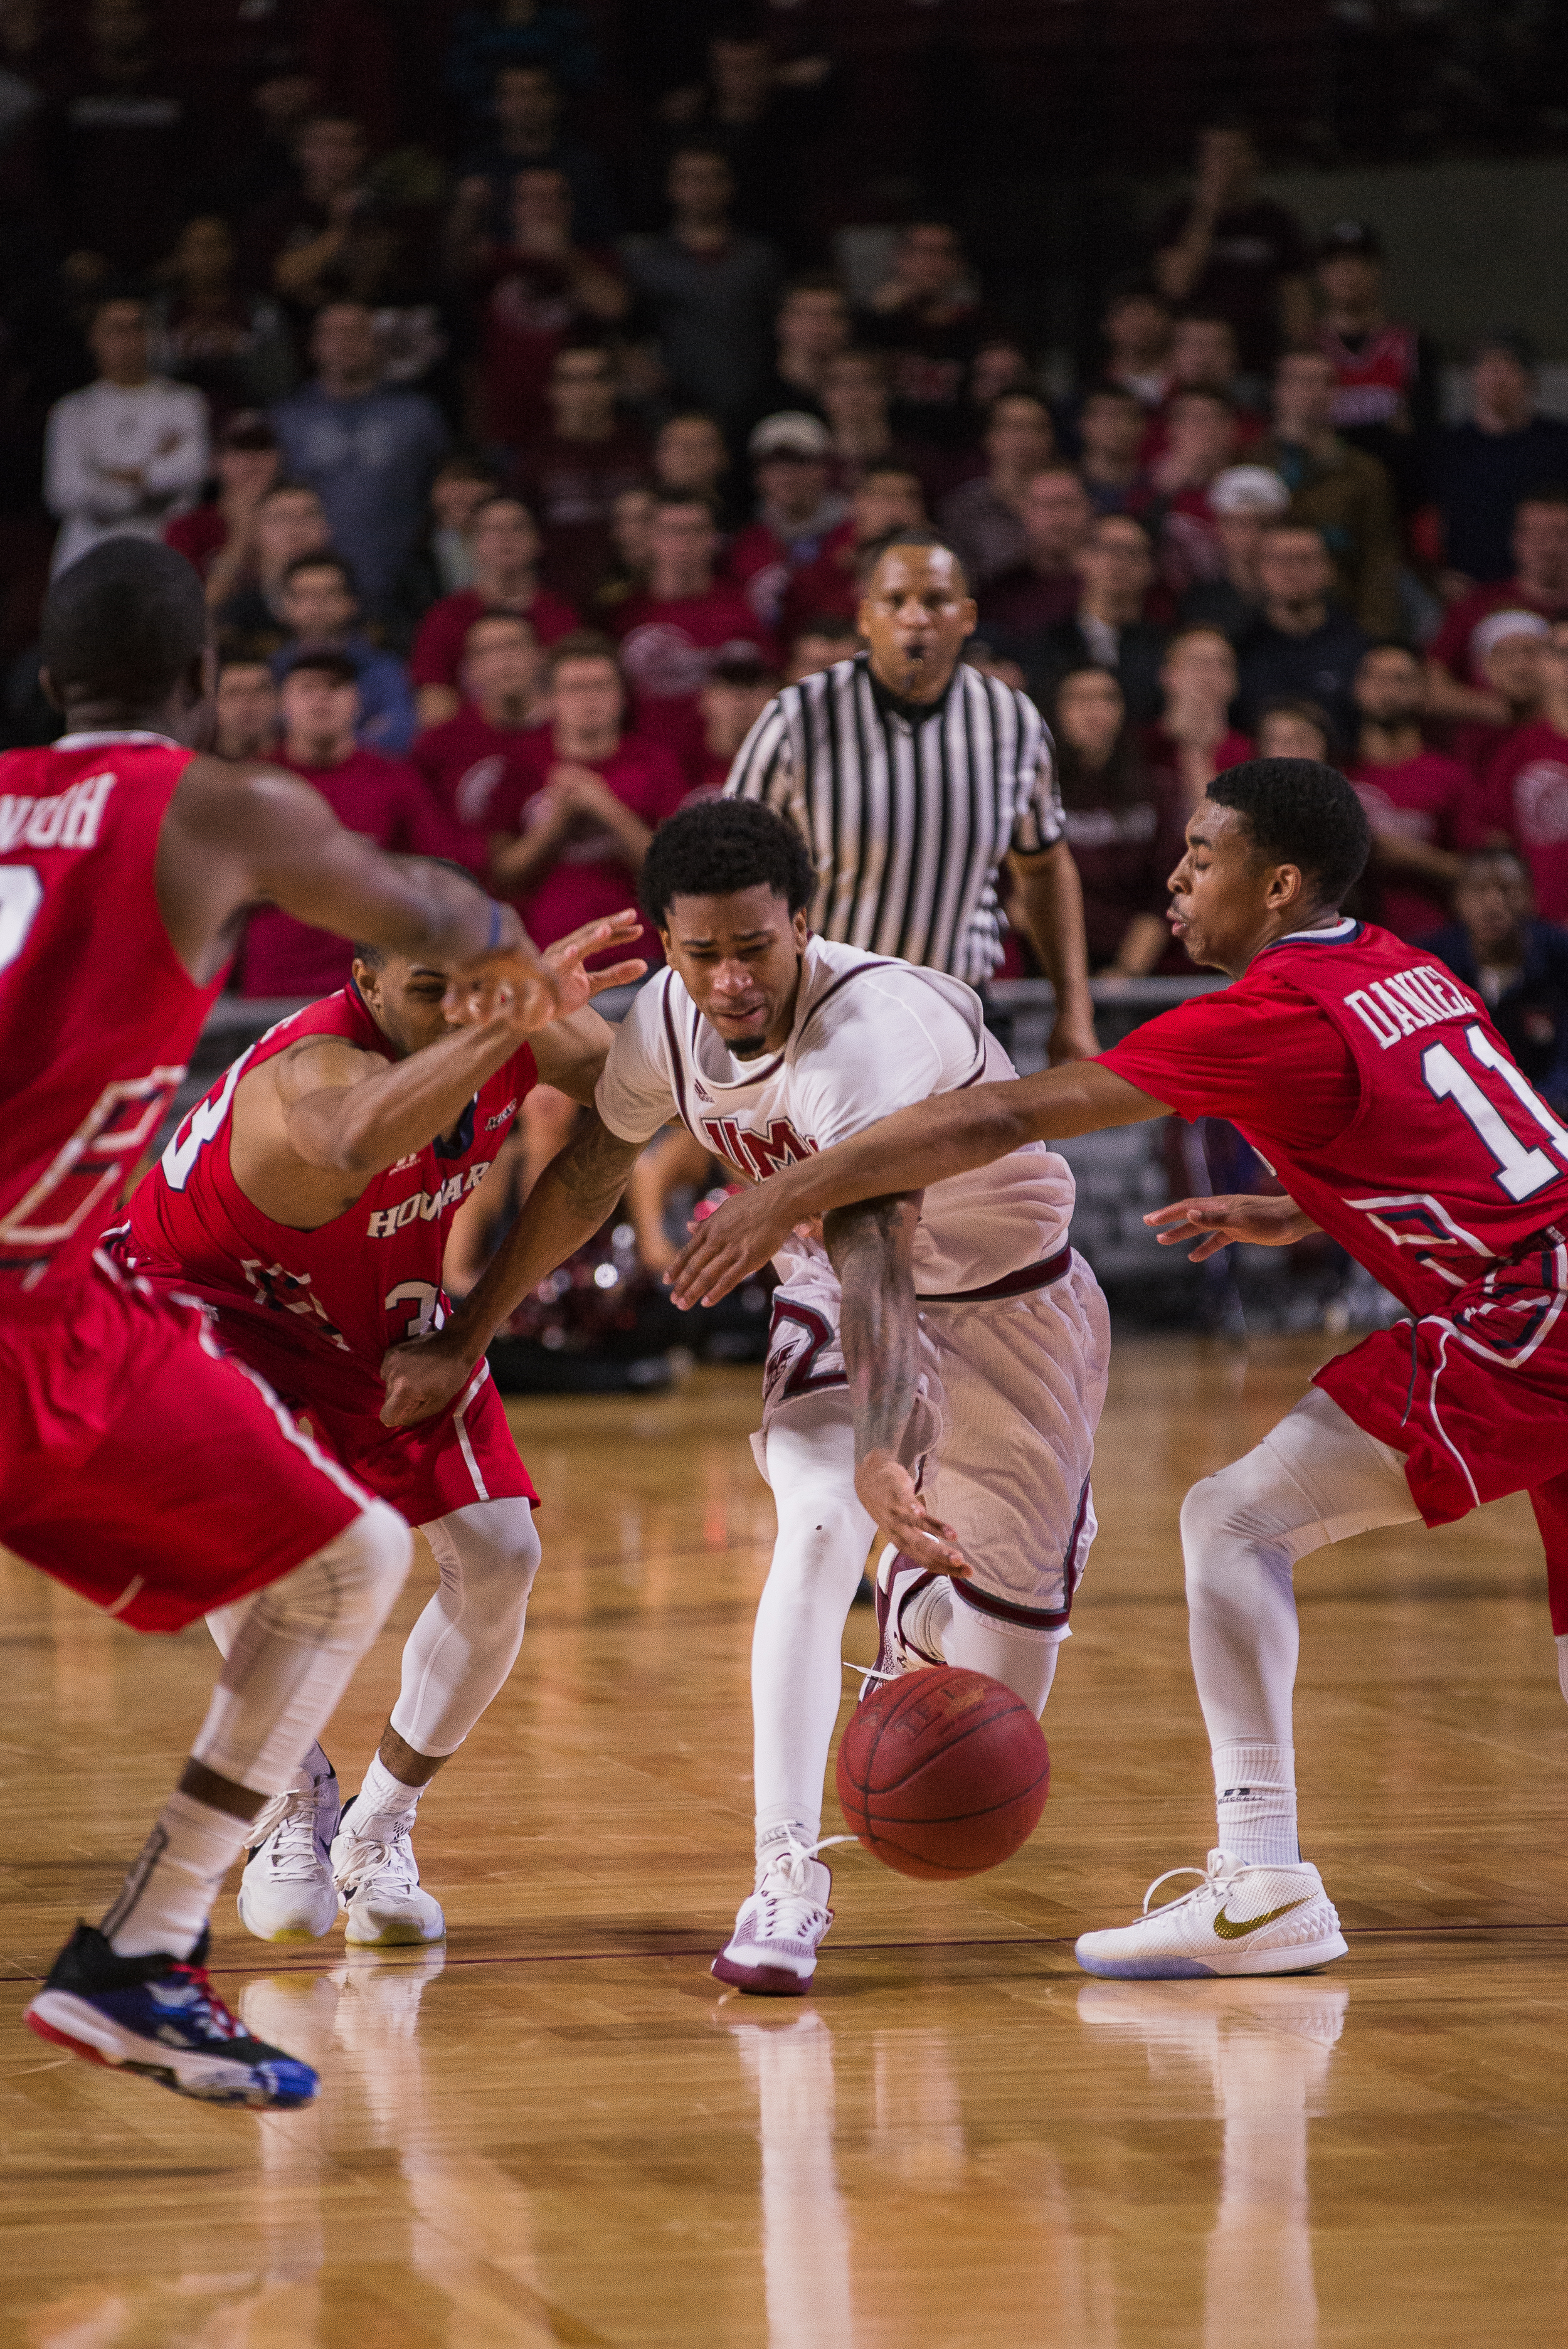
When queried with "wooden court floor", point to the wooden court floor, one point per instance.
{"points": [[560, 2131]]}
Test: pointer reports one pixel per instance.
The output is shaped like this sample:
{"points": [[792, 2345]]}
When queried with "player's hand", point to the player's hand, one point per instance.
{"points": [[1073, 1037], [887, 1490], [739, 1238], [530, 991], [422, 1377], [1214, 1223]]}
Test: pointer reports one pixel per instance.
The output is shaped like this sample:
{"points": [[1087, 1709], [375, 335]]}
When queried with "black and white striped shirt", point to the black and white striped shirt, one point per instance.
{"points": [[907, 818]]}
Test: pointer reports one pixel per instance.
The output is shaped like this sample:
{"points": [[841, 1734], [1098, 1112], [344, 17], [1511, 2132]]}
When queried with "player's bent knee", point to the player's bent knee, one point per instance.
{"points": [[347, 1589]]}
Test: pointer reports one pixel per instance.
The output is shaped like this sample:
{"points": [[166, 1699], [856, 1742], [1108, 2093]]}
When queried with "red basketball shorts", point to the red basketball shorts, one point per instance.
{"points": [[141, 1468], [466, 1454], [1476, 1398]]}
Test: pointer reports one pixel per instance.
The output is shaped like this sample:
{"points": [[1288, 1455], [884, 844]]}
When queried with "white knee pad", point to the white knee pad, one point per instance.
{"points": [[466, 1641]]}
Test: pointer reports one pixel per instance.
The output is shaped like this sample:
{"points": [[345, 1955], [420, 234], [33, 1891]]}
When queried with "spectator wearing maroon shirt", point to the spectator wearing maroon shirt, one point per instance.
{"points": [[504, 545], [1111, 427], [1525, 798], [1422, 807], [888, 497], [1203, 359], [539, 290], [212, 333], [1233, 251], [671, 632], [927, 318], [1506, 651], [1124, 824], [570, 830], [1540, 584], [735, 697], [1386, 396], [1192, 739], [573, 474], [797, 511], [382, 797], [1200, 446], [981, 519], [245, 709], [480, 751], [245, 461], [1056, 513]]}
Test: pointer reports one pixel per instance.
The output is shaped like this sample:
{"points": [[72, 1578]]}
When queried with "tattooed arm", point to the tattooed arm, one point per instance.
{"points": [[871, 1246], [564, 1208]]}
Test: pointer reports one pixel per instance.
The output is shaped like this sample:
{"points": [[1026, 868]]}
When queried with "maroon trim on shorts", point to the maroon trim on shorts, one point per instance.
{"points": [[1022, 1283]]}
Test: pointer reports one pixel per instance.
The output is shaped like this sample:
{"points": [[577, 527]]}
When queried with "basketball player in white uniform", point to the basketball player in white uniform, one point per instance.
{"points": [[938, 1362]]}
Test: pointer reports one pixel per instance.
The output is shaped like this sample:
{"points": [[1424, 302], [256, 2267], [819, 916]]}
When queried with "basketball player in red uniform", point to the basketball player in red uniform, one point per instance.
{"points": [[138, 1465], [1377, 1088], [307, 1201]]}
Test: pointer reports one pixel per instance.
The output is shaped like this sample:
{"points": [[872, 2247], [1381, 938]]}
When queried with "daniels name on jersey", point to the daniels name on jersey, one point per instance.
{"points": [[870, 1035]]}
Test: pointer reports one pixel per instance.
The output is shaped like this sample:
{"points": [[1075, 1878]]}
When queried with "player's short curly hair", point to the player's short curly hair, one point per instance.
{"points": [[123, 623], [720, 846], [1300, 812]]}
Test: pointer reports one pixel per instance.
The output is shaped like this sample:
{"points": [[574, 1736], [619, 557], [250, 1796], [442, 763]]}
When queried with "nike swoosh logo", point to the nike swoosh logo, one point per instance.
{"points": [[1228, 1929]]}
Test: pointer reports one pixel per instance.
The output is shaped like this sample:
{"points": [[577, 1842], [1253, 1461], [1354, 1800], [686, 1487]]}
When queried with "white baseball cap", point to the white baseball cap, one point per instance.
{"points": [[1248, 490]]}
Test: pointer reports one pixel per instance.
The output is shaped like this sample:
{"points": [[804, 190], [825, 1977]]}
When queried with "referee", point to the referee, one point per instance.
{"points": [[911, 777]]}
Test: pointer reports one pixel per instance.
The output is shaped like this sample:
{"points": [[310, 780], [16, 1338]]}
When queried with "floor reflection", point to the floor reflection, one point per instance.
{"points": [[789, 2059]]}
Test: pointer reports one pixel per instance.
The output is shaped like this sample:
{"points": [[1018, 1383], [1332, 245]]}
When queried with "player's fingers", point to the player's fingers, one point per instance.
{"points": [[619, 974], [1210, 1245]]}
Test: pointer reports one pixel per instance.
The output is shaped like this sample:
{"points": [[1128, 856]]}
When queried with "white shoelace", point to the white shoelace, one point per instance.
{"points": [[1221, 1870], [288, 1822], [370, 1857]]}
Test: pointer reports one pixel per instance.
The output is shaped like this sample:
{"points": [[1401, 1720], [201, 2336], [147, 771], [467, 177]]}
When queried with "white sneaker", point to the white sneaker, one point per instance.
{"points": [[1242, 1920], [379, 1885], [772, 1951], [899, 1580], [287, 1892]]}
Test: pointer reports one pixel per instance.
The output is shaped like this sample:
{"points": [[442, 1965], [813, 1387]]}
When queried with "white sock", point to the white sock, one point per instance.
{"points": [[1562, 1639], [1254, 1803], [382, 1801], [776, 1836], [164, 1901]]}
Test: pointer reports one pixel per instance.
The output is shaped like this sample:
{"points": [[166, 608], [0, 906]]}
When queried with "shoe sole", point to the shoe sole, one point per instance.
{"points": [[1300, 1960], [70, 2023], [760, 1981], [286, 1932], [395, 1937]]}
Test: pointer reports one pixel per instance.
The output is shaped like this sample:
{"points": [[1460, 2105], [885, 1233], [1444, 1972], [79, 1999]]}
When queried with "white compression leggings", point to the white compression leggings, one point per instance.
{"points": [[466, 1640], [797, 1674]]}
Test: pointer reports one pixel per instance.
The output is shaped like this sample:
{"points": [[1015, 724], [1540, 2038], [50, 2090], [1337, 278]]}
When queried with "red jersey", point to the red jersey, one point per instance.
{"points": [[199, 536], [590, 876], [1377, 1090], [98, 1015], [467, 762], [1373, 385], [365, 1281], [1525, 795], [827, 585], [1427, 798], [437, 657], [667, 647]]}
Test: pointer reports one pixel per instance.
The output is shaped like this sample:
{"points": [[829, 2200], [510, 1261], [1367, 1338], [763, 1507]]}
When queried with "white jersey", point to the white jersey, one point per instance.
{"points": [[870, 1036]]}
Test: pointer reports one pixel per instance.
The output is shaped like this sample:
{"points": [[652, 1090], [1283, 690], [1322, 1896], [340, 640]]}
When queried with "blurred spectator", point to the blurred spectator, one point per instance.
{"points": [[1342, 493], [1516, 962], [758, 115], [121, 147], [981, 519], [369, 450], [1485, 469], [797, 513], [497, 33], [468, 759], [320, 608], [283, 101], [323, 233], [539, 290], [1107, 628], [1241, 501], [888, 497], [1290, 729], [245, 585], [1525, 795], [246, 464], [1193, 740], [129, 451], [631, 553], [588, 801], [1123, 824], [442, 561], [1136, 329], [246, 708], [1056, 514], [709, 290], [999, 366], [855, 397], [671, 632], [573, 474], [207, 330], [504, 545], [1302, 645], [825, 639], [524, 115], [1200, 446], [811, 330], [928, 319], [732, 699], [1203, 359], [691, 454], [1386, 397], [368, 792], [1421, 806], [1540, 584], [1112, 425], [1505, 650], [1233, 251]]}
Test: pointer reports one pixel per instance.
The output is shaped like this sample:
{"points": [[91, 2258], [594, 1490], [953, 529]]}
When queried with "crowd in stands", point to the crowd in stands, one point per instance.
{"points": [[521, 472]]}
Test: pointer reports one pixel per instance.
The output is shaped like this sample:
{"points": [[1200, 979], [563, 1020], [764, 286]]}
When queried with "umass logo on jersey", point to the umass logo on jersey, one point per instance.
{"points": [[755, 1156]]}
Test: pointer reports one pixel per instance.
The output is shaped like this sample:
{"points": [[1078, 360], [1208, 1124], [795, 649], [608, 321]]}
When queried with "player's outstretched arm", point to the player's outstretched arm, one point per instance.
{"points": [[946, 1135], [872, 1247], [564, 1208], [1216, 1222]]}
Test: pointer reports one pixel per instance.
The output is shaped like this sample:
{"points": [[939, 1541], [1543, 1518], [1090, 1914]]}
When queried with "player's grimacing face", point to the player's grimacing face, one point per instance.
{"points": [[1225, 896], [738, 959], [405, 999]]}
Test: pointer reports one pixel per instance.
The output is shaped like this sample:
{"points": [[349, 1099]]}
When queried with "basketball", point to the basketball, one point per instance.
{"points": [[943, 1773]]}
